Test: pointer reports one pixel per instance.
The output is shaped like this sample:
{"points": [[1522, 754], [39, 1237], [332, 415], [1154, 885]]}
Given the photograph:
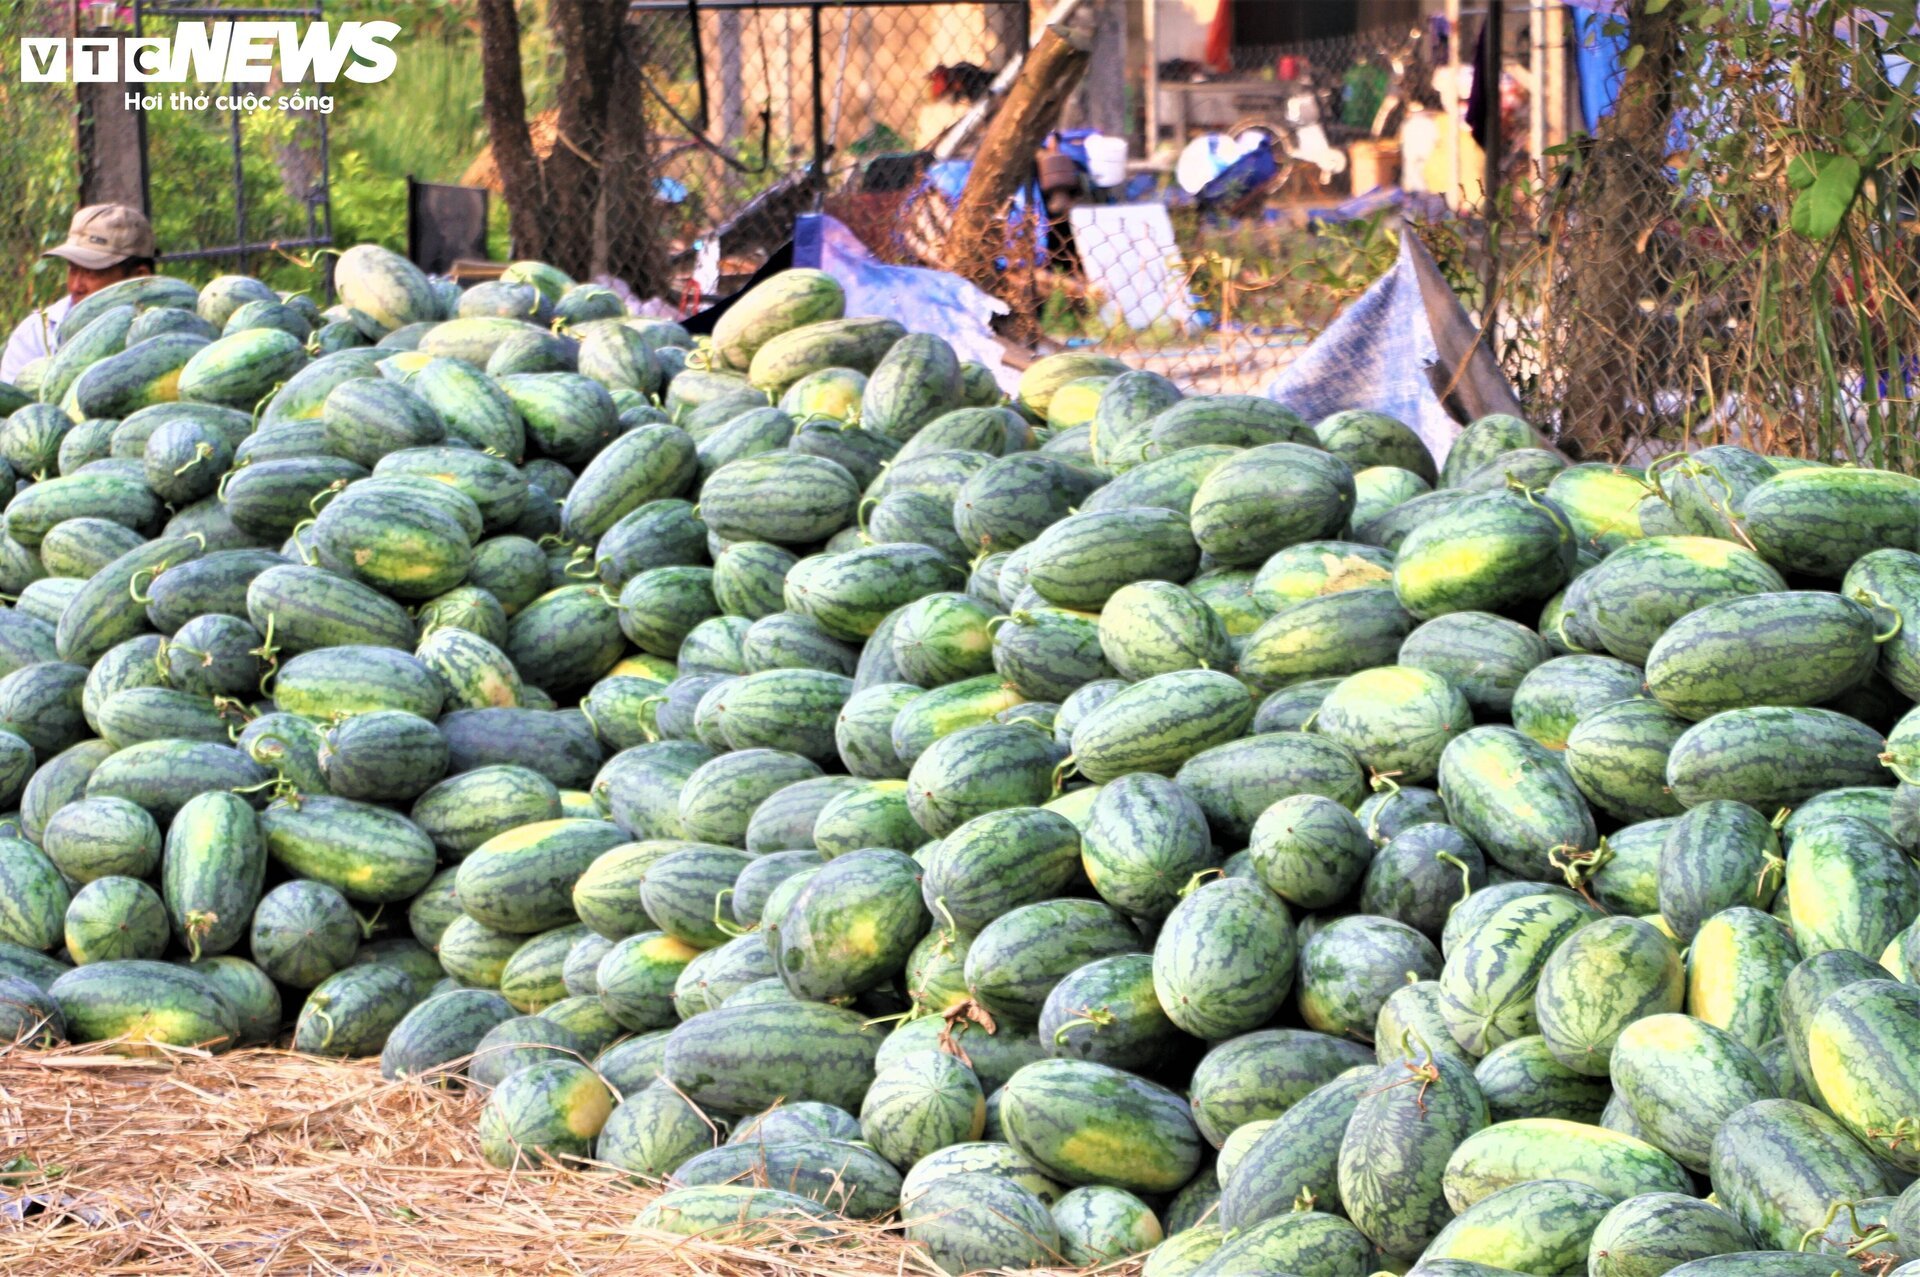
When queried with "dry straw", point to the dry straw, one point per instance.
{"points": [[266, 1163]]}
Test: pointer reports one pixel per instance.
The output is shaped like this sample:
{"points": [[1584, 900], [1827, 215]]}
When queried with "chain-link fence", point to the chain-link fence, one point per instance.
{"points": [[762, 109]]}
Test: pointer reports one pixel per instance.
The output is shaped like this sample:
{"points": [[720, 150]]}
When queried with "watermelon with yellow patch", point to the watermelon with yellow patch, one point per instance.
{"points": [[551, 1110]]}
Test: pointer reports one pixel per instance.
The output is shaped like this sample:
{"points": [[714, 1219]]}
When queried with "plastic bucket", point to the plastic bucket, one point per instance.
{"points": [[1107, 160]]}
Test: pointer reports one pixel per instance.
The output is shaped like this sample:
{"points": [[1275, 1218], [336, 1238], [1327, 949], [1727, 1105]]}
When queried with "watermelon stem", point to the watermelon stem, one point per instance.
{"points": [[268, 654], [198, 923], [259, 406], [1853, 1215], [1425, 1073], [1655, 473], [1062, 772], [1466, 877], [202, 451], [953, 928], [1193, 884], [220, 489], [1869, 596], [1097, 1017], [133, 587], [1772, 867], [320, 1013], [649, 725], [332, 490], [1579, 867], [306, 555], [722, 925]]}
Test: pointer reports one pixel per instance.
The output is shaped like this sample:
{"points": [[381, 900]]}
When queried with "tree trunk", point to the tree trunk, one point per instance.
{"points": [[1607, 342], [504, 102], [978, 235], [584, 207], [627, 236]]}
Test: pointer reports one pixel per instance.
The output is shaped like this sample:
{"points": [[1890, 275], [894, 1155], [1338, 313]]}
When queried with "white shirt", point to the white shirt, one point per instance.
{"points": [[33, 337]]}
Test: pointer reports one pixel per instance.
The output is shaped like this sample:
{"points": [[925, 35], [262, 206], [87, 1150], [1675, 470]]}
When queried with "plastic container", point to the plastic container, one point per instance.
{"points": [[1107, 160]]}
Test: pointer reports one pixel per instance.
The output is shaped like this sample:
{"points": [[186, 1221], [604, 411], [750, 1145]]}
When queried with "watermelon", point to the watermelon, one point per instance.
{"points": [[998, 862], [1223, 961], [553, 1109], [923, 1103], [852, 924], [1737, 969], [972, 1221], [1509, 1153], [115, 918], [1393, 1157], [1716, 856], [1480, 774], [742, 1059], [1491, 974], [1779, 1166], [1493, 550], [1860, 1073], [1310, 850], [1849, 886], [1603, 978], [1523, 1079], [1682, 1078], [1014, 962], [1085, 1123], [1541, 1227], [1486, 657], [149, 1004], [1144, 840], [1638, 592], [1396, 719], [1158, 724], [1799, 648], [1653, 1233], [1350, 966]]}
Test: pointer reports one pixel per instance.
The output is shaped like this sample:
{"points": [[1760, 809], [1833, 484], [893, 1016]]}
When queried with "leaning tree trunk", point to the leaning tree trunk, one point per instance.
{"points": [[1606, 337], [977, 236]]}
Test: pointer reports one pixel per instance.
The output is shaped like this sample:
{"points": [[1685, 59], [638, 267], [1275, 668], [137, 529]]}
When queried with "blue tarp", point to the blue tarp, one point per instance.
{"points": [[1374, 356], [1596, 59]]}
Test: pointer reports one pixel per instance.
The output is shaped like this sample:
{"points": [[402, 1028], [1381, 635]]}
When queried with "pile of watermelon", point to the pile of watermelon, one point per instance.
{"points": [[1099, 823]]}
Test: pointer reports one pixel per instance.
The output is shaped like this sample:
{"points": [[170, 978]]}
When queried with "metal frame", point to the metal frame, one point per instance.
{"points": [[319, 206], [692, 9]]}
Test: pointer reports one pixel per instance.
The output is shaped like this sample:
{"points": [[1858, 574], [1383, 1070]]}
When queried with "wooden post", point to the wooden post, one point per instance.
{"points": [[1005, 158]]}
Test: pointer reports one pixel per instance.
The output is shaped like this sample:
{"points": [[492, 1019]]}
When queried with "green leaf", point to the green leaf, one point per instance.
{"points": [[1712, 15], [1803, 168], [1633, 56], [1654, 6], [1817, 210]]}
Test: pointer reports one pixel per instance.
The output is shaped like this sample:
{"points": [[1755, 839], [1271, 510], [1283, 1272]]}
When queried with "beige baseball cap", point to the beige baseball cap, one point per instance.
{"points": [[103, 235]]}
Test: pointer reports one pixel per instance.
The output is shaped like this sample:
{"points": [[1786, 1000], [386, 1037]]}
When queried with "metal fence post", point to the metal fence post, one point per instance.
{"points": [[820, 142]]}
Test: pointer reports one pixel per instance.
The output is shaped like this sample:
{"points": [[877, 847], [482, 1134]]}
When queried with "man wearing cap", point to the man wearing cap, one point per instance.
{"points": [[106, 243]]}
